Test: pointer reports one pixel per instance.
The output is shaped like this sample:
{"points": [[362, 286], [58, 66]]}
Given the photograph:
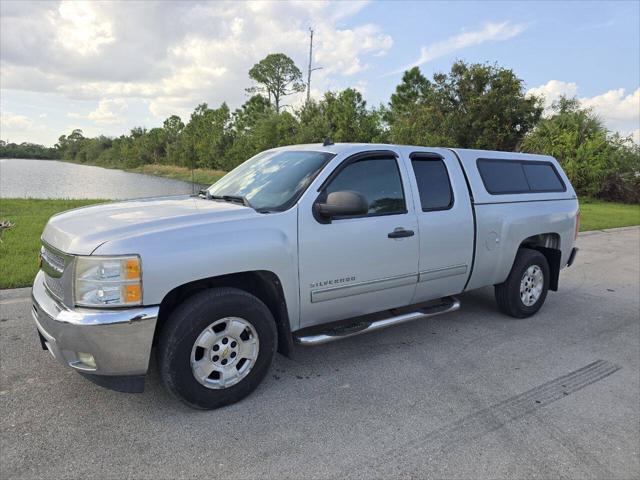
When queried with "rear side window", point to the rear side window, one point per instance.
{"points": [[542, 177], [519, 176], [433, 184], [378, 180]]}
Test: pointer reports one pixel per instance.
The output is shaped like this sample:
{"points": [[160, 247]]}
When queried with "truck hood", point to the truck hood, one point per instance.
{"points": [[82, 230]]}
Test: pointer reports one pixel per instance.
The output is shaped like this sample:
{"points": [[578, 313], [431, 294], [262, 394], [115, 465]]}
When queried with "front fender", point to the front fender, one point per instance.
{"points": [[174, 257]]}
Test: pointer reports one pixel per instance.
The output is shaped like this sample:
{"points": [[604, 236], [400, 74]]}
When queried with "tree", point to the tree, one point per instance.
{"points": [[173, 127], [70, 145], [27, 150], [473, 106], [250, 113], [341, 116], [207, 136], [599, 164], [277, 76], [411, 92]]}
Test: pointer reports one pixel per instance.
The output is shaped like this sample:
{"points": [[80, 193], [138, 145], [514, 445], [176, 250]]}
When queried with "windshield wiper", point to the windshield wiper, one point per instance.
{"points": [[226, 198], [232, 198]]}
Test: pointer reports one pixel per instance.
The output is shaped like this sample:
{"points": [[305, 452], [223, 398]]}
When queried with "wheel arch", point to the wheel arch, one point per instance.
{"points": [[549, 245], [263, 284]]}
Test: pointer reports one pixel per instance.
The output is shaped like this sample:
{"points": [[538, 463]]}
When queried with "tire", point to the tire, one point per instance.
{"points": [[208, 318], [508, 294]]}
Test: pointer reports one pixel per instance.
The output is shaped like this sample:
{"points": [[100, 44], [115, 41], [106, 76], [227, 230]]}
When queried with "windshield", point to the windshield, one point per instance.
{"points": [[274, 180]]}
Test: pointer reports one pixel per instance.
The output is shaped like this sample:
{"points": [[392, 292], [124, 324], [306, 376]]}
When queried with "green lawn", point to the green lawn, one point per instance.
{"points": [[20, 244], [598, 215]]}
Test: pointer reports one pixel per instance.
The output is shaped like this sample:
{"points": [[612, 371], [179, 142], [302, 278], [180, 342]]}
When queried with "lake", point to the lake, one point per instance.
{"points": [[52, 179]]}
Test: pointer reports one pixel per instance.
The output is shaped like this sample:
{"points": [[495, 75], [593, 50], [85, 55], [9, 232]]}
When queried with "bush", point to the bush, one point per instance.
{"points": [[599, 164]]}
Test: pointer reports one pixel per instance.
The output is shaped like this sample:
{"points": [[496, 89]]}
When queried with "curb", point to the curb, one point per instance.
{"points": [[609, 230]]}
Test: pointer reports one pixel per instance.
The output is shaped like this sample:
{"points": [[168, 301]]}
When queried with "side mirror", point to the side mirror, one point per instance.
{"points": [[341, 204]]}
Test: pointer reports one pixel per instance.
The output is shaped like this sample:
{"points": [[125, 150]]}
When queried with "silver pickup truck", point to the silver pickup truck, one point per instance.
{"points": [[298, 245]]}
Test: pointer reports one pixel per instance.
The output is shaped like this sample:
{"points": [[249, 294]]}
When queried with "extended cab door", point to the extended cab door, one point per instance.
{"points": [[445, 222], [352, 266]]}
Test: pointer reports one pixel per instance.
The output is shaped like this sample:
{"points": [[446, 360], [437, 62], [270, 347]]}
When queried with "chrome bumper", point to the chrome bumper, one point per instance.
{"points": [[119, 340]]}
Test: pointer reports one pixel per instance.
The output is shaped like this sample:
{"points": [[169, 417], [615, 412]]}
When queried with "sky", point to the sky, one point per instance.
{"points": [[106, 67]]}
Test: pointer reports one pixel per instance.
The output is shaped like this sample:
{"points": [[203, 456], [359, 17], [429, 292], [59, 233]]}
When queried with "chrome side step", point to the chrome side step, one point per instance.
{"points": [[448, 304]]}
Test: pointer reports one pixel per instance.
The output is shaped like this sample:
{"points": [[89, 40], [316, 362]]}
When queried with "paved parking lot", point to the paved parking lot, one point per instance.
{"points": [[472, 394]]}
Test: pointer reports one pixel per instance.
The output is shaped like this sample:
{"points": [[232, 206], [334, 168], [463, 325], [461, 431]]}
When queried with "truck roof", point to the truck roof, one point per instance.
{"points": [[339, 148]]}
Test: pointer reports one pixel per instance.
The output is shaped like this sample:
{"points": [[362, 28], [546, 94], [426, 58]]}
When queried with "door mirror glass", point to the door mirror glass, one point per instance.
{"points": [[343, 203]]}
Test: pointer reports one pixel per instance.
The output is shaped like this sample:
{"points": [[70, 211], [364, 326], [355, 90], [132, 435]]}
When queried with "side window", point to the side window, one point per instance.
{"points": [[378, 180], [433, 184], [502, 176], [542, 177], [515, 176]]}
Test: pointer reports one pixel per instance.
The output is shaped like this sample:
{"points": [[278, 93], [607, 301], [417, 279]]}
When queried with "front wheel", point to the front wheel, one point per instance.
{"points": [[525, 289], [216, 347]]}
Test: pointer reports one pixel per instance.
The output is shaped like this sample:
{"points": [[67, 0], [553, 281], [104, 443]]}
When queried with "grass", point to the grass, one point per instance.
{"points": [[598, 215], [202, 176], [20, 244]]}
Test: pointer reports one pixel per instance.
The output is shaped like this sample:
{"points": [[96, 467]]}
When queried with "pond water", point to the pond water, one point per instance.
{"points": [[21, 178]]}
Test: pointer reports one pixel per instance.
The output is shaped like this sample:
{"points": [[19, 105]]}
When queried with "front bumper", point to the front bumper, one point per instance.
{"points": [[119, 340]]}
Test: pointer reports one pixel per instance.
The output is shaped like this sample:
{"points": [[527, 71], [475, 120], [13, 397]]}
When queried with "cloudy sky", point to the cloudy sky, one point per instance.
{"points": [[106, 67]]}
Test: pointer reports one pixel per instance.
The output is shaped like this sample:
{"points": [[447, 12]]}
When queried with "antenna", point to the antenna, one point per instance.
{"points": [[310, 69]]}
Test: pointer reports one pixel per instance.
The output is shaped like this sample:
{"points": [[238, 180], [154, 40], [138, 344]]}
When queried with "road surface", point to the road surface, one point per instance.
{"points": [[472, 394]]}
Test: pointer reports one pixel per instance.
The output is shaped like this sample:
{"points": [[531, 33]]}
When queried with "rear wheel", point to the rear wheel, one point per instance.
{"points": [[525, 289], [216, 347]]}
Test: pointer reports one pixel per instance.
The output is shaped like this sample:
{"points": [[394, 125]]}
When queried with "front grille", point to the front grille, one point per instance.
{"points": [[54, 264], [54, 259], [55, 286]]}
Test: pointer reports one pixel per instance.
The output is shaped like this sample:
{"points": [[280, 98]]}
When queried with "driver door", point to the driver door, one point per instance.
{"points": [[351, 266]]}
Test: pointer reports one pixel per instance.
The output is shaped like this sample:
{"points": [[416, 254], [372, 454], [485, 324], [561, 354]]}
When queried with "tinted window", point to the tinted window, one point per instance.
{"points": [[503, 177], [512, 176], [542, 177], [433, 184], [378, 180]]}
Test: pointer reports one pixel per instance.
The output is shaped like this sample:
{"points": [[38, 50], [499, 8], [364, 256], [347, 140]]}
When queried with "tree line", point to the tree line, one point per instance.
{"points": [[480, 106], [27, 150]]}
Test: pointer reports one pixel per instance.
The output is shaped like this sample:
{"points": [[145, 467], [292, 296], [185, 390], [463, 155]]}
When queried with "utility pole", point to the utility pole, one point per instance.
{"points": [[310, 69]]}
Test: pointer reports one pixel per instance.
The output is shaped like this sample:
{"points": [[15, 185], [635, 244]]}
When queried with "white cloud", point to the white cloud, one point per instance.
{"points": [[491, 32], [553, 90], [12, 121], [614, 105], [619, 111], [174, 55], [335, 52], [109, 112], [79, 29]]}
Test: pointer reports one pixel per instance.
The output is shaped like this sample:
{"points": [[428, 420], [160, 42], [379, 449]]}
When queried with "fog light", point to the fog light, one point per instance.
{"points": [[87, 359]]}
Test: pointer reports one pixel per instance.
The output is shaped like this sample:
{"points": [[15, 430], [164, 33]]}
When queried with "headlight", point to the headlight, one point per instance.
{"points": [[108, 281]]}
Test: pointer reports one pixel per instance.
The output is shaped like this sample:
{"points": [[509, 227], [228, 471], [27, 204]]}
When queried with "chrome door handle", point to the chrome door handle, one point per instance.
{"points": [[400, 233]]}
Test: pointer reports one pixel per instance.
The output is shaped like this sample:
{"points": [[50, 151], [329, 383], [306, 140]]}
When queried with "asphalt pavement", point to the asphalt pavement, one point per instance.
{"points": [[472, 394]]}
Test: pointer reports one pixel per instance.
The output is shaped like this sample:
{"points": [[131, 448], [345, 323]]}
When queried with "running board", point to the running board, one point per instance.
{"points": [[447, 304]]}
